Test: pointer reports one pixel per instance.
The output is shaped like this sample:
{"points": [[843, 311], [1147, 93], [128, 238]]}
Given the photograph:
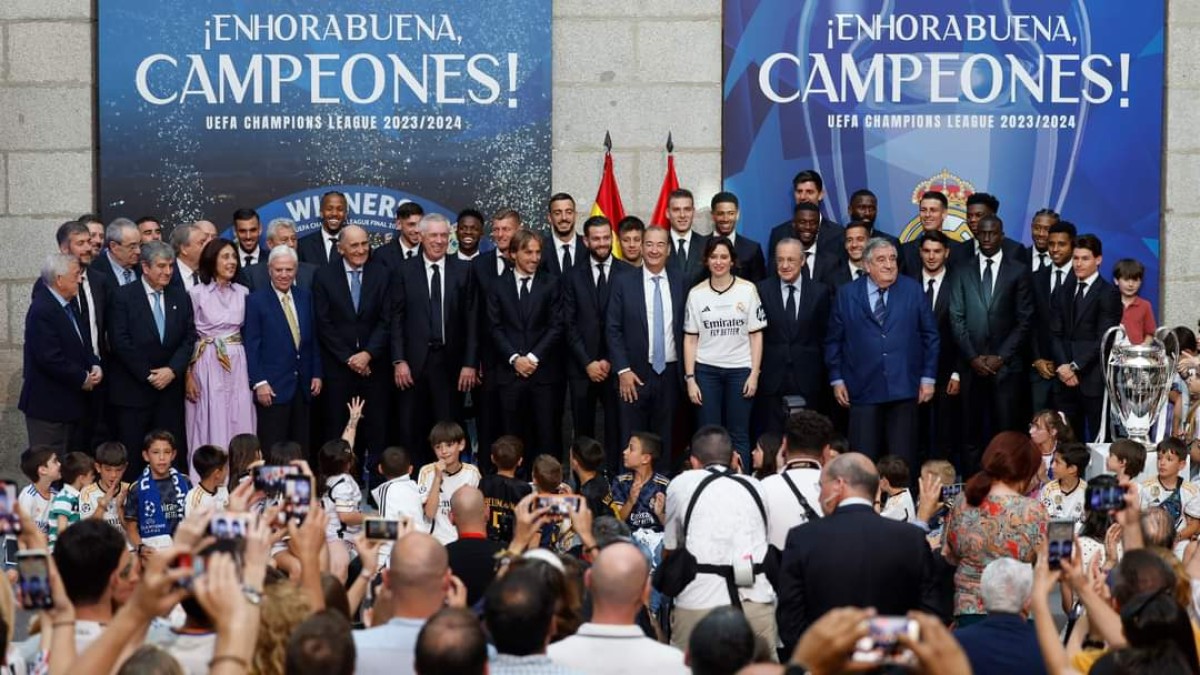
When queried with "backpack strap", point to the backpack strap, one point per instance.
{"points": [[724, 571], [809, 512]]}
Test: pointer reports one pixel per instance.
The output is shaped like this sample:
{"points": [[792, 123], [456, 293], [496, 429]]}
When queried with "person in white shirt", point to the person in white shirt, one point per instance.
{"points": [[619, 583], [894, 479], [1063, 497], [398, 497], [722, 346], [248, 229], [793, 494], [728, 524], [438, 480]]}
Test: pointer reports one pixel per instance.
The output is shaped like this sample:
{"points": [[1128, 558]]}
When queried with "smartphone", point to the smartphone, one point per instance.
{"points": [[1099, 498], [561, 506], [297, 498], [10, 522], [269, 479], [229, 531], [33, 577], [382, 528], [881, 645], [949, 492], [1061, 537]]}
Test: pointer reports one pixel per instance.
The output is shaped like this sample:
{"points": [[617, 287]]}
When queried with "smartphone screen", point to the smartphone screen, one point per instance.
{"points": [[561, 506], [229, 532], [949, 492], [882, 644], [297, 498], [1061, 537], [269, 479], [1105, 498], [381, 528], [33, 575]]}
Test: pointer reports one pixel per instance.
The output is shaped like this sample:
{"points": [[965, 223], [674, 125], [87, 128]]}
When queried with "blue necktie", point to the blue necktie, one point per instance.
{"points": [[160, 319], [74, 321], [659, 361], [128, 274], [880, 308], [355, 287]]}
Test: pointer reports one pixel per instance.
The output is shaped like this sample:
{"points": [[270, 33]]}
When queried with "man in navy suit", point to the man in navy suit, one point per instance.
{"points": [[151, 334], [321, 247], [750, 263], [434, 342], [1080, 318], [350, 299], [279, 231], [60, 368], [406, 243], [940, 422], [1056, 274], [525, 316], [1005, 641], [645, 344], [562, 249], [687, 246], [806, 224], [991, 310], [850, 265], [122, 246], [794, 340], [808, 188], [487, 268], [586, 290], [188, 242], [881, 349], [281, 352]]}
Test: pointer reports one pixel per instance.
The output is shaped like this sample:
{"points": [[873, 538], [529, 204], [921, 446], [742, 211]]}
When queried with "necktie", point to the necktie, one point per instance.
{"points": [[858, 274], [566, 258], [682, 251], [987, 283], [74, 322], [1057, 280], [355, 287], [808, 271], [601, 281], [409, 254], [658, 360], [524, 290], [880, 310], [435, 308], [195, 278], [160, 318], [329, 250], [249, 260], [128, 274], [1079, 292], [929, 295], [1042, 259], [290, 315], [789, 307]]}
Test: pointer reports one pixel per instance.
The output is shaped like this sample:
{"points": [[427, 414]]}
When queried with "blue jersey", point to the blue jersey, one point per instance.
{"points": [[642, 516]]}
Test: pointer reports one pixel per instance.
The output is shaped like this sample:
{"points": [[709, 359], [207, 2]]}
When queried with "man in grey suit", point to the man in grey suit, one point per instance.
{"points": [[280, 231], [687, 246]]}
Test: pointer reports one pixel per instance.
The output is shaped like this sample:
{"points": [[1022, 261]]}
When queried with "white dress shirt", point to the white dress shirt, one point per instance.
{"points": [[441, 263], [668, 314], [608, 269], [1067, 273], [86, 290], [783, 288], [810, 261], [468, 258], [937, 280], [500, 264], [995, 258], [1036, 256], [254, 256], [687, 242], [558, 248], [330, 242], [512, 358], [150, 297], [186, 274], [407, 251], [1090, 281]]}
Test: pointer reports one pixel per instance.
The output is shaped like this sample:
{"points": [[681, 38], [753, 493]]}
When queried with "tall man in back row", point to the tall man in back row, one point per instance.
{"points": [[881, 349]]}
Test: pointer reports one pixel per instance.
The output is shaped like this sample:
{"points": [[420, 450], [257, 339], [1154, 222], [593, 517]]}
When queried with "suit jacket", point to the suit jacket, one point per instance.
{"points": [[258, 276], [1002, 644], [1000, 328], [136, 349], [1043, 303], [483, 269], [584, 308], [751, 266], [311, 249], [627, 321], [964, 255], [881, 363], [102, 265], [831, 239], [390, 255], [836, 273], [271, 353], [101, 286], [838, 560], [552, 254], [792, 350], [56, 362], [534, 326], [1076, 334], [695, 269], [411, 330], [910, 255], [342, 331], [948, 360]]}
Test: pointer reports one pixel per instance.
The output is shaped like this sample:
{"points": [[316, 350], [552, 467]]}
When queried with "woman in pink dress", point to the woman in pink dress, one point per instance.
{"points": [[220, 404]]}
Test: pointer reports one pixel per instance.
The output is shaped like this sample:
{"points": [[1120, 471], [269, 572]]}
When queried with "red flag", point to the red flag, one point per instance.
{"points": [[660, 217], [608, 197]]}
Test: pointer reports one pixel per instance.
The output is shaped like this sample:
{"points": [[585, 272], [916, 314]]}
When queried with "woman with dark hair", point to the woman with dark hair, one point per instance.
{"points": [[722, 346], [219, 400], [993, 519]]}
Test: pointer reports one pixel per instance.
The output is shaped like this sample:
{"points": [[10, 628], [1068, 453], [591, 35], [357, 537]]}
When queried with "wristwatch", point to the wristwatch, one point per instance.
{"points": [[253, 596], [689, 377]]}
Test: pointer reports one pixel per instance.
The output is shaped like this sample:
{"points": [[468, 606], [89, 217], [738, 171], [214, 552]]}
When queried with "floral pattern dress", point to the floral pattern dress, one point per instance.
{"points": [[1002, 526]]}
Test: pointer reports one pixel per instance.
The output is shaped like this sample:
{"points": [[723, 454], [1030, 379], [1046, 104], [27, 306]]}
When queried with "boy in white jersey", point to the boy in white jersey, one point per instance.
{"points": [[1063, 497], [40, 465], [894, 480], [398, 498], [105, 497], [211, 464], [1180, 498], [438, 481]]}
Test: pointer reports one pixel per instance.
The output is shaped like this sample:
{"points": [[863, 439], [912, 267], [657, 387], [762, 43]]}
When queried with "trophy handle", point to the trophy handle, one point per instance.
{"points": [[1170, 340], [1107, 346]]}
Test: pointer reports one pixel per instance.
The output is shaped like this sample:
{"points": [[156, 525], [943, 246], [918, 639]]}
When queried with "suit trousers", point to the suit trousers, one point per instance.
{"points": [[1083, 412], [433, 398], [133, 423], [940, 426], [585, 396], [1041, 391], [990, 405], [280, 422], [654, 411], [885, 428], [58, 435], [528, 410]]}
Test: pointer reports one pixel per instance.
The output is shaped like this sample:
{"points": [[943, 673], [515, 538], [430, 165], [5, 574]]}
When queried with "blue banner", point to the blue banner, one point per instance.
{"points": [[1042, 103], [206, 107]]}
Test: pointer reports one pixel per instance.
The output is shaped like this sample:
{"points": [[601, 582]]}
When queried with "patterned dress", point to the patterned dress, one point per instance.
{"points": [[1002, 526]]}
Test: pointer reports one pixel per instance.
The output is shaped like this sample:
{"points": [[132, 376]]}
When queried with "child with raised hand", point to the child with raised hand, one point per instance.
{"points": [[78, 471], [41, 466], [342, 500], [106, 496], [155, 505], [439, 480], [209, 463]]}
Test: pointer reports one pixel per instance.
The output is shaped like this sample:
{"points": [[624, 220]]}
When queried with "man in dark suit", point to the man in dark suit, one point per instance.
{"points": [[321, 247], [750, 263], [991, 309], [525, 317], [406, 243], [981, 205], [562, 248], [932, 209], [119, 261], [881, 349], [434, 341], [1005, 641], [188, 242], [645, 344], [1077, 323], [687, 246], [350, 298], [852, 556], [939, 423], [1056, 274], [280, 231], [864, 207], [850, 266], [59, 366], [281, 352], [247, 230], [151, 336], [808, 188], [487, 268], [589, 368], [793, 342], [806, 223]]}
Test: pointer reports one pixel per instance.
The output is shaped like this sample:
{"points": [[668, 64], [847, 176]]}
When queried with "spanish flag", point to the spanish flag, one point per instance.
{"points": [[608, 197], [660, 217]]}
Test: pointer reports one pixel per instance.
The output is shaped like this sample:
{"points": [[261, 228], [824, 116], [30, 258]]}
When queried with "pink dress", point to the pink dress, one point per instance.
{"points": [[226, 405]]}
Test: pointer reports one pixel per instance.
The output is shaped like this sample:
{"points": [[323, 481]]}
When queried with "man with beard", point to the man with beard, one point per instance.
{"points": [[469, 231], [864, 208], [808, 188], [1039, 231], [562, 249], [248, 230], [406, 243], [749, 255], [806, 223], [322, 247], [487, 269]]}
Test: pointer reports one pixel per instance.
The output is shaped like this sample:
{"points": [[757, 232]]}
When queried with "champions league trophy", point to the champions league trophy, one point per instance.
{"points": [[1138, 378]]}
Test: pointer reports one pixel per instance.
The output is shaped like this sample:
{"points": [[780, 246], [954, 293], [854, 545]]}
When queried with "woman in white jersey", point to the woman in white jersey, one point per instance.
{"points": [[722, 346]]}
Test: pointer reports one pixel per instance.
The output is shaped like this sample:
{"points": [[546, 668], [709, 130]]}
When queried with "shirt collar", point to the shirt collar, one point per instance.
{"points": [[440, 261], [1066, 267], [62, 302], [464, 256], [926, 276], [607, 261], [404, 247], [185, 270], [148, 288], [649, 276], [346, 266], [995, 257], [855, 501], [1090, 280], [686, 237], [610, 630], [732, 236], [281, 294]]}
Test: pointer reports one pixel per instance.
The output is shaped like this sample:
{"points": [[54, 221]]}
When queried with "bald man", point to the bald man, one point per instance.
{"points": [[837, 561], [419, 582], [619, 582], [472, 555], [350, 302]]}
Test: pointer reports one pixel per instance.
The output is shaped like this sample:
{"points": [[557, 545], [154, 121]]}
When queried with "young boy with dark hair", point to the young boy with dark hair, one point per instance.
{"points": [[41, 466], [397, 497], [640, 494], [897, 502], [78, 471], [1126, 459], [211, 464], [155, 505], [1179, 497], [102, 499], [438, 481], [503, 490], [1063, 497], [587, 462], [557, 535]]}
